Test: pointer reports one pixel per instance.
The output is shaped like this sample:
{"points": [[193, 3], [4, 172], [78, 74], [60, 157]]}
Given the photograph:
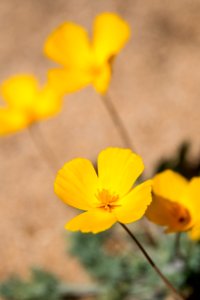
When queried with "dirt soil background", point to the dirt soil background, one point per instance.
{"points": [[155, 86]]}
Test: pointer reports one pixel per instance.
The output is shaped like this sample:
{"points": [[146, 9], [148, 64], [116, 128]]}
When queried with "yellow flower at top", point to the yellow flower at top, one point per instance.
{"points": [[25, 103], [176, 203], [86, 62], [108, 197]]}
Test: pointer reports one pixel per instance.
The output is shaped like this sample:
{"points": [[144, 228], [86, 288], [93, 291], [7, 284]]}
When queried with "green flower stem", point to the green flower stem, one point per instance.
{"points": [[43, 147], [151, 262], [117, 122], [177, 249]]}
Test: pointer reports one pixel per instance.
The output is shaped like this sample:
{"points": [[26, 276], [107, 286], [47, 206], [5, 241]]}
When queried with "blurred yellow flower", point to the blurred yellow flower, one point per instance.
{"points": [[107, 197], [86, 62], [25, 103], [176, 203]]}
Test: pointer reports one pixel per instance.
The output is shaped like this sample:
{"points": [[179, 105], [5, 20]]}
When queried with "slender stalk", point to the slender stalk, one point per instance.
{"points": [[151, 262], [117, 122], [43, 147], [189, 251], [177, 243], [177, 251]]}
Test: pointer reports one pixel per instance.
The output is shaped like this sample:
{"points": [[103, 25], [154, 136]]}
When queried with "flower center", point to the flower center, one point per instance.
{"points": [[107, 200], [181, 218], [32, 118], [96, 71]]}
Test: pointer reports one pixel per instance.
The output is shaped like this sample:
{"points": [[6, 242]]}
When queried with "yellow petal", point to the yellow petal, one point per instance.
{"points": [[92, 221], [174, 216], [169, 185], [11, 121], [192, 195], [191, 199], [169, 207], [69, 46], [118, 169], [68, 81], [101, 80], [134, 204], [194, 233], [76, 184], [109, 36], [47, 103], [20, 91]]}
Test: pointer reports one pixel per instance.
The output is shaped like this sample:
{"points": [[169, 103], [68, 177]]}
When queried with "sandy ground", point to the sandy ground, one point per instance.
{"points": [[155, 86]]}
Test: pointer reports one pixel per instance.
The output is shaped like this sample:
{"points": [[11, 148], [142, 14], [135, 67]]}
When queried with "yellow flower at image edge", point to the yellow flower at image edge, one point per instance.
{"points": [[176, 203], [25, 103], [108, 197], [83, 61]]}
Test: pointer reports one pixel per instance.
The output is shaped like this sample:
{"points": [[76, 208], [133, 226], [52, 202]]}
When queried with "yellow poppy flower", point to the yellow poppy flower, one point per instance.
{"points": [[86, 62], [175, 203], [107, 197], [25, 103]]}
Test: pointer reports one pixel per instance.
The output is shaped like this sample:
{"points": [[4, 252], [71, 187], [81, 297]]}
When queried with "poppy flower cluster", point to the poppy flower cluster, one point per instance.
{"points": [[108, 196], [84, 62]]}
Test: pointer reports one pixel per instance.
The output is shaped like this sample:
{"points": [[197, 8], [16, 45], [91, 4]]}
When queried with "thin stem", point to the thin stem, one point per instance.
{"points": [[177, 243], [127, 143], [177, 251], [43, 147], [151, 262], [190, 249], [117, 122]]}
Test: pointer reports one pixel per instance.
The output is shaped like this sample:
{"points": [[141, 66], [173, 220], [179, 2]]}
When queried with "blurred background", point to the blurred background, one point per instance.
{"points": [[155, 87]]}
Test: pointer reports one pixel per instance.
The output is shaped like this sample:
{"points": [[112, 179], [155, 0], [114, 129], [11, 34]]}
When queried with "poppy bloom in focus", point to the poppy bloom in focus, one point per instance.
{"points": [[108, 197]]}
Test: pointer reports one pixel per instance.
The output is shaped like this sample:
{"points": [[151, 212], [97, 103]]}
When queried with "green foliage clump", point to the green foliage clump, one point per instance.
{"points": [[126, 273], [42, 286], [107, 269], [122, 273]]}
